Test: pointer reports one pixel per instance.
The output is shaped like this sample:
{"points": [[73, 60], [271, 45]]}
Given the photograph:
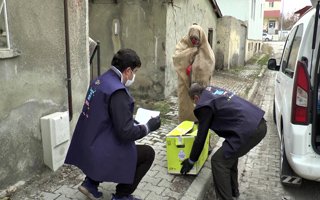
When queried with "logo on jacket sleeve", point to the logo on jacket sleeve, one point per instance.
{"points": [[86, 106]]}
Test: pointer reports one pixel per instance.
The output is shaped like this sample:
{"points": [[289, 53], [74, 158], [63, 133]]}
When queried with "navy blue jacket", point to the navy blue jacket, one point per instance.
{"points": [[234, 118], [97, 147]]}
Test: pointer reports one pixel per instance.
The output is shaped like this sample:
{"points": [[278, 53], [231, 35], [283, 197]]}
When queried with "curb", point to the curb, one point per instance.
{"points": [[255, 85], [203, 180]]}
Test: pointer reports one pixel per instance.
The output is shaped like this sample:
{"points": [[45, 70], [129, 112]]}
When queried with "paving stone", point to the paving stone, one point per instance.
{"points": [[49, 196]]}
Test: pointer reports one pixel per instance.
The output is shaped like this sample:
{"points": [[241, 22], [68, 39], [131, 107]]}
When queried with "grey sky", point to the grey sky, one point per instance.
{"points": [[291, 6]]}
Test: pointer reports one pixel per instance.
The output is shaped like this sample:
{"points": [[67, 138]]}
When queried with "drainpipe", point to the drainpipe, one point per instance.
{"points": [[66, 26]]}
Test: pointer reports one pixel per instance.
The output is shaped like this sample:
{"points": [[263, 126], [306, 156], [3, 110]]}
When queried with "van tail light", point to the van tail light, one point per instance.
{"points": [[300, 95]]}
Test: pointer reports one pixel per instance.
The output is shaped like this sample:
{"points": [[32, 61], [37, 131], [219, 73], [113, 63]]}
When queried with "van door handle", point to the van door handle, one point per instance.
{"points": [[277, 81]]}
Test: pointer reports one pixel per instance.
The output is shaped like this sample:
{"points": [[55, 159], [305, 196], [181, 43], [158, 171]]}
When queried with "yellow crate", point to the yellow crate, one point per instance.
{"points": [[179, 144]]}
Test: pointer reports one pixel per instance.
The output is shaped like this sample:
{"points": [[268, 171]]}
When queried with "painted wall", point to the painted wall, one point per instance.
{"points": [[255, 20], [276, 5], [34, 84], [250, 11], [181, 15]]}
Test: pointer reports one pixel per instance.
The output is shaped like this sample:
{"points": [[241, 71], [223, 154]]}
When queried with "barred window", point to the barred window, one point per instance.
{"points": [[6, 49], [4, 30]]}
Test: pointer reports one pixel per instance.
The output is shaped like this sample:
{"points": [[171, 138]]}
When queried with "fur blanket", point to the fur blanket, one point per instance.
{"points": [[193, 56]]}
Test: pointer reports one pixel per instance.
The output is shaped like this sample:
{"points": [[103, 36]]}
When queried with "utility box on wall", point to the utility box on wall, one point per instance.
{"points": [[55, 131]]}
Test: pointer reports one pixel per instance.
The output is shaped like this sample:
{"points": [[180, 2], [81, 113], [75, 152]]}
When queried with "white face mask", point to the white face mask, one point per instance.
{"points": [[129, 82]]}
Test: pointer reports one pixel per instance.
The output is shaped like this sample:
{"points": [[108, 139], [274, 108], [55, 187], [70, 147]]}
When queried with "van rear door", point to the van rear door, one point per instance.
{"points": [[315, 111]]}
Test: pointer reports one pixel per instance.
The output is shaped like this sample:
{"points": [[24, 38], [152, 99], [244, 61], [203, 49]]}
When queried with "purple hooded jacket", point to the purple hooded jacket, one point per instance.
{"points": [[95, 147]]}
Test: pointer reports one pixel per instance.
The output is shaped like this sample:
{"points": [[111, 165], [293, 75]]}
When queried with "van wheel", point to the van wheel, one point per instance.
{"points": [[287, 176]]}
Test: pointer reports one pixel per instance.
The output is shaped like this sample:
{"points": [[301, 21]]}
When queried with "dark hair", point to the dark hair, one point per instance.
{"points": [[125, 58], [195, 89]]}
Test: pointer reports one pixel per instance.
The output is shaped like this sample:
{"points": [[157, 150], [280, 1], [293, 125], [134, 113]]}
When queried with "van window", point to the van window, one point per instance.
{"points": [[295, 48], [286, 51], [290, 52]]}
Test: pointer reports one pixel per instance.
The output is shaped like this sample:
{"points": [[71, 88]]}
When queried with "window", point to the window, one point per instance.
{"points": [[271, 4], [290, 52], [210, 36], [4, 30], [6, 50], [295, 48], [272, 24]]}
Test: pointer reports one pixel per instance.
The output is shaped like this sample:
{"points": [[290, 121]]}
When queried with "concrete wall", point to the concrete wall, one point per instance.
{"points": [[141, 26], [181, 15], [34, 83], [231, 34]]}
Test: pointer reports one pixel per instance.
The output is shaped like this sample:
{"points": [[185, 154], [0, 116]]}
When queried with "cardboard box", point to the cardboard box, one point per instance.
{"points": [[179, 144]]}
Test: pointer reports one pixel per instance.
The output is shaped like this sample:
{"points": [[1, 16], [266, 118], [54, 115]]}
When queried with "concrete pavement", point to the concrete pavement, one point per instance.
{"points": [[157, 184]]}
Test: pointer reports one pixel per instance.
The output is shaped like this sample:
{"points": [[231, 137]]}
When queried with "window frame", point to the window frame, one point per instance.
{"points": [[271, 4], [273, 23], [7, 51], [3, 11]]}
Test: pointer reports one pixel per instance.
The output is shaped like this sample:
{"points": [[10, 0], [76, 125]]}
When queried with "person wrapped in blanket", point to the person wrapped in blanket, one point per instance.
{"points": [[193, 61]]}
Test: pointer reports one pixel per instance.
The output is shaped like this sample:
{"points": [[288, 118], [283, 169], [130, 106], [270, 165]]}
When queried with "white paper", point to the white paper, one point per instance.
{"points": [[143, 115]]}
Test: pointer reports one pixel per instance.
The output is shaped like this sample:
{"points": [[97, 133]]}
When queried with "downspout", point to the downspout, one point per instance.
{"points": [[67, 43]]}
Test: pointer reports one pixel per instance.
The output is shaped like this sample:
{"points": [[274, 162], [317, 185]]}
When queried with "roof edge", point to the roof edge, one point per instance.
{"points": [[216, 8]]}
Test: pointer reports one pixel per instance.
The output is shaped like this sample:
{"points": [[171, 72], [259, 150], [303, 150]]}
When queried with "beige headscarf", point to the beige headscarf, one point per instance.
{"points": [[202, 59]]}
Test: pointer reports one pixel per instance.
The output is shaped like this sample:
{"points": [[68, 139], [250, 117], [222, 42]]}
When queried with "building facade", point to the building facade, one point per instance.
{"points": [[272, 16]]}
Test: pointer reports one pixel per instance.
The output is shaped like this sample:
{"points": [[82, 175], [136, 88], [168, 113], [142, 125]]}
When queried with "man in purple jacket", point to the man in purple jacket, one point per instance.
{"points": [[103, 143], [238, 121]]}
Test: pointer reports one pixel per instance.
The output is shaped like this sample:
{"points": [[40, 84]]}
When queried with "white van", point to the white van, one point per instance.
{"points": [[296, 111]]}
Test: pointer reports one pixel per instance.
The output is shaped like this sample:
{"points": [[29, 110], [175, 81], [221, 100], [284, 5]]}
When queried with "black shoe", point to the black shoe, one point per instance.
{"points": [[235, 193], [90, 190]]}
